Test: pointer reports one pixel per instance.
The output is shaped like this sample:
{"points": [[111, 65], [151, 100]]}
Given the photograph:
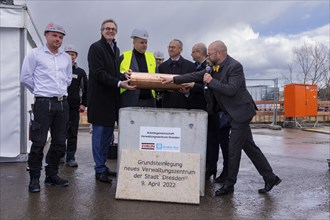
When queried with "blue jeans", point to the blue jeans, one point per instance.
{"points": [[101, 140]]}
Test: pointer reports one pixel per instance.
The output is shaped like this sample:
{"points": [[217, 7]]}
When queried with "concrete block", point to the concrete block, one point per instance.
{"points": [[159, 176], [170, 130]]}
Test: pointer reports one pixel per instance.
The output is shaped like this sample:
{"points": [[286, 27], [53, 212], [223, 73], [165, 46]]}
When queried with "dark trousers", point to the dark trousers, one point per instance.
{"points": [[146, 103], [214, 138], [48, 115], [241, 139], [72, 135]]}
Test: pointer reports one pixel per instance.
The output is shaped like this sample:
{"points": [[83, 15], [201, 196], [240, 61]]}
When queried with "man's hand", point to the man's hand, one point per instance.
{"points": [[128, 74], [188, 85], [167, 79], [125, 85], [207, 78]]}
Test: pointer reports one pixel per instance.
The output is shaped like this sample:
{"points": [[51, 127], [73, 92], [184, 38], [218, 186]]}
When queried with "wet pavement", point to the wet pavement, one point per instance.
{"points": [[298, 157]]}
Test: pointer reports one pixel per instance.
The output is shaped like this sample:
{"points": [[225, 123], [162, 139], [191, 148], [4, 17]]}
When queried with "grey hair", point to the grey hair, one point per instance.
{"points": [[201, 47], [180, 42], [106, 21]]}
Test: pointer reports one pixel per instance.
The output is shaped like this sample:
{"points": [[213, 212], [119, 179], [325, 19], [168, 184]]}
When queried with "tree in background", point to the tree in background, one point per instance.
{"points": [[312, 65], [289, 77]]}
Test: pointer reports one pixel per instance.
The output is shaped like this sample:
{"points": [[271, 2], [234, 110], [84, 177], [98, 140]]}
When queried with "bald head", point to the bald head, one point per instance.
{"points": [[200, 47], [217, 52], [219, 46], [199, 52]]}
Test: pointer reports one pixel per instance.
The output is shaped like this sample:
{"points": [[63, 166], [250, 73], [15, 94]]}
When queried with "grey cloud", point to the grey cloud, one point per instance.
{"points": [[240, 24]]}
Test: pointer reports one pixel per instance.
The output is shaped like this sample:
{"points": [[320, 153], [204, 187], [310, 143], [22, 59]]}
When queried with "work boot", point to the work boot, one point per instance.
{"points": [[55, 181], [34, 185]]}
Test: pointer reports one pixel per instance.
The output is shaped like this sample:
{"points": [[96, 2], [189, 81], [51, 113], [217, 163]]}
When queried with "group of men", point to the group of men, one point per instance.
{"points": [[49, 73]]}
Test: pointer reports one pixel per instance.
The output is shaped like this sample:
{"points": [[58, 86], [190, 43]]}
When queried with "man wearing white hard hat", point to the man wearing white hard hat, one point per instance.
{"points": [[77, 99], [159, 56], [47, 73], [138, 60]]}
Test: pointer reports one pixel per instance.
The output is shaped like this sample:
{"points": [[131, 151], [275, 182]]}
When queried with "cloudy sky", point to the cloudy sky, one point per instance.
{"points": [[260, 34]]}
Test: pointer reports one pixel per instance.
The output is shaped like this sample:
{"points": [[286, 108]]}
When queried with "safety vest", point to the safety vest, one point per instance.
{"points": [[126, 64]]}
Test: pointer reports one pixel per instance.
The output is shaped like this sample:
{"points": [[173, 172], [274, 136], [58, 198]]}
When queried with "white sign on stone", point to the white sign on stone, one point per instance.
{"points": [[160, 139], [159, 176]]}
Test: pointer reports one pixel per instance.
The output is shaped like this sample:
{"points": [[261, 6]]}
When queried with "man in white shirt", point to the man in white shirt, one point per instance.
{"points": [[47, 72]]}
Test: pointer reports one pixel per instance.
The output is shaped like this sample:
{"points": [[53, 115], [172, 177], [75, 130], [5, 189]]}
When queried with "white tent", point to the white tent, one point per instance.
{"points": [[18, 35]]}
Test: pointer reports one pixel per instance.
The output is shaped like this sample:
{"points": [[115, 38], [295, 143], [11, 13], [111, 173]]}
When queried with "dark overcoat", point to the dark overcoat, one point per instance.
{"points": [[103, 90], [175, 99]]}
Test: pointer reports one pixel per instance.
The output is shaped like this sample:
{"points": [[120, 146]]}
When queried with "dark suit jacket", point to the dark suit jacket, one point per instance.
{"points": [[196, 99], [103, 91], [228, 88], [78, 84], [175, 99]]}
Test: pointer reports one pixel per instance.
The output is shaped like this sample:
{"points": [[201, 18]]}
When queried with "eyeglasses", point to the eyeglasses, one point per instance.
{"points": [[210, 54], [194, 51], [109, 29], [171, 47], [159, 59]]}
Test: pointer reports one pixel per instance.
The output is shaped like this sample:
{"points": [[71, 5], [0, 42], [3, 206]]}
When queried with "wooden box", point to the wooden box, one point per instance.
{"points": [[151, 81]]}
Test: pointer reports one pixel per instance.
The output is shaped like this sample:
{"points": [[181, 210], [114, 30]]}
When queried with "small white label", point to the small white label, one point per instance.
{"points": [[160, 139]]}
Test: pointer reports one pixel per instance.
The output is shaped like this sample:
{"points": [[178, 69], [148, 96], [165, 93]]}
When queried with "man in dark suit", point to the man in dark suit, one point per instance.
{"points": [[215, 134], [103, 96], [227, 91], [176, 64]]}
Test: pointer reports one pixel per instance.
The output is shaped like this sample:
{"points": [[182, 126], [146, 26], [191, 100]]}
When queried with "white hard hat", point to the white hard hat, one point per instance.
{"points": [[70, 48], [140, 33], [52, 27], [159, 55]]}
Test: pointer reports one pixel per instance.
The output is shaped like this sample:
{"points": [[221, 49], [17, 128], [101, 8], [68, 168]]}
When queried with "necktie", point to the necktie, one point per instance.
{"points": [[174, 63], [216, 68]]}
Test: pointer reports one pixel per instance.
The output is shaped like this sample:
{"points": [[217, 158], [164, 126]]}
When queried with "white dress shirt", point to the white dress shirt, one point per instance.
{"points": [[46, 74]]}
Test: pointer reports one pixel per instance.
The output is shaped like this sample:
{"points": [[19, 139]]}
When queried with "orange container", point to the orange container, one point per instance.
{"points": [[300, 100]]}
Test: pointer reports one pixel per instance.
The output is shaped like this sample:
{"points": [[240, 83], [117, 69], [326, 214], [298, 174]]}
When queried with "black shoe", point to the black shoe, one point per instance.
{"points": [[34, 185], [110, 173], [55, 181], [210, 173], [103, 177], [224, 190], [221, 178], [269, 186]]}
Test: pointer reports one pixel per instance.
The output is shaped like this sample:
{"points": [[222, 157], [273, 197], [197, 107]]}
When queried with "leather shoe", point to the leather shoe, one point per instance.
{"points": [[103, 177], [224, 190], [269, 186]]}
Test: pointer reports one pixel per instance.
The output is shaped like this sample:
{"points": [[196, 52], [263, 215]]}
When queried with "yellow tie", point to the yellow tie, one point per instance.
{"points": [[216, 68]]}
